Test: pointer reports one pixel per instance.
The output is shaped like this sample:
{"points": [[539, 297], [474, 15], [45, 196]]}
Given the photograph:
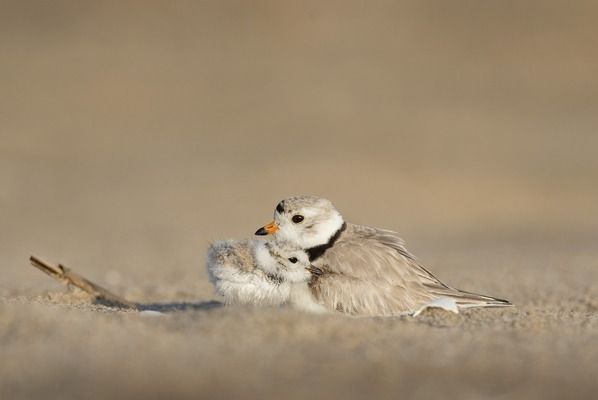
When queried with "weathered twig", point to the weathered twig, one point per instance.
{"points": [[68, 277]]}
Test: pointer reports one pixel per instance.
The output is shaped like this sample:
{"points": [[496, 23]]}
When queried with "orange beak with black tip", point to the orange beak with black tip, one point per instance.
{"points": [[267, 230]]}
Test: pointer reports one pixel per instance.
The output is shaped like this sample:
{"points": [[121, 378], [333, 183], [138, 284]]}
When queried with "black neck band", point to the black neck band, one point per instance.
{"points": [[318, 251]]}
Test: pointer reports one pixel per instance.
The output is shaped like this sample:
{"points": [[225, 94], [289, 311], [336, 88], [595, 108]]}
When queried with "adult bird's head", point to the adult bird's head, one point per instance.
{"points": [[305, 221]]}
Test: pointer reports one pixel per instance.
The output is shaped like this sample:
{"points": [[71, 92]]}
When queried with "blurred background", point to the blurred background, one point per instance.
{"points": [[133, 133]]}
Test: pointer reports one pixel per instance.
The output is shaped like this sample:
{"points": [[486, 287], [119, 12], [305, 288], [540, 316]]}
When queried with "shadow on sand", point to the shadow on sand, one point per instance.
{"points": [[102, 296], [183, 306]]}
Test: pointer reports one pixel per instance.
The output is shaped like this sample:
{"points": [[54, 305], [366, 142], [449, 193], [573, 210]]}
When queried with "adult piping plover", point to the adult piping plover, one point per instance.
{"points": [[261, 272], [362, 270]]}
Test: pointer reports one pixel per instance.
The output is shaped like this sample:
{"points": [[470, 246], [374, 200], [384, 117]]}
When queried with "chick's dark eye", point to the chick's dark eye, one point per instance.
{"points": [[293, 260], [297, 218]]}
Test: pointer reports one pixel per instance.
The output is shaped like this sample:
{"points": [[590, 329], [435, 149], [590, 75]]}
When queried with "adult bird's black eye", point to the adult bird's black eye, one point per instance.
{"points": [[280, 208], [293, 260], [297, 218]]}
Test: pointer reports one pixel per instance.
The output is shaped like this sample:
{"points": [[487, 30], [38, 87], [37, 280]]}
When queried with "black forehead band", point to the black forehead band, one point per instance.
{"points": [[280, 207]]}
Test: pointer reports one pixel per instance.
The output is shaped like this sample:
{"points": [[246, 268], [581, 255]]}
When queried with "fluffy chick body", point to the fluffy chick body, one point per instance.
{"points": [[261, 272]]}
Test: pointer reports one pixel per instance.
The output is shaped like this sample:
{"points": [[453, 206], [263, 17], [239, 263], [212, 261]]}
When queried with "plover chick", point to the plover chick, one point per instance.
{"points": [[261, 272], [362, 270]]}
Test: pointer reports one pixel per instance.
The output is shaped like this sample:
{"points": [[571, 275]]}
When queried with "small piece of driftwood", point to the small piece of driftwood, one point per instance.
{"points": [[98, 294]]}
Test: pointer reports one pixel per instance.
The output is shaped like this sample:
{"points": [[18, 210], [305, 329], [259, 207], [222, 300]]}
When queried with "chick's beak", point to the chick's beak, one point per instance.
{"points": [[267, 230]]}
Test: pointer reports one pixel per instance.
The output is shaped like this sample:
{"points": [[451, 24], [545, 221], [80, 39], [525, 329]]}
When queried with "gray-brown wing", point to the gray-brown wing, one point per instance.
{"points": [[369, 271], [366, 297], [375, 254]]}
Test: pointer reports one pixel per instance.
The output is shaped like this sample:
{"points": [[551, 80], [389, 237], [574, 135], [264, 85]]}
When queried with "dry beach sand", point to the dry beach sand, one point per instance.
{"points": [[134, 133]]}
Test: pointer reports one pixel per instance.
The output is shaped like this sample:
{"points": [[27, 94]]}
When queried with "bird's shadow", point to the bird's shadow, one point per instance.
{"points": [[98, 295], [179, 306]]}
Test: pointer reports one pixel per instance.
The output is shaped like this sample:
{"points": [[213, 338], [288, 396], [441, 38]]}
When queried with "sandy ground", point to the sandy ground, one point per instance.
{"points": [[134, 133]]}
